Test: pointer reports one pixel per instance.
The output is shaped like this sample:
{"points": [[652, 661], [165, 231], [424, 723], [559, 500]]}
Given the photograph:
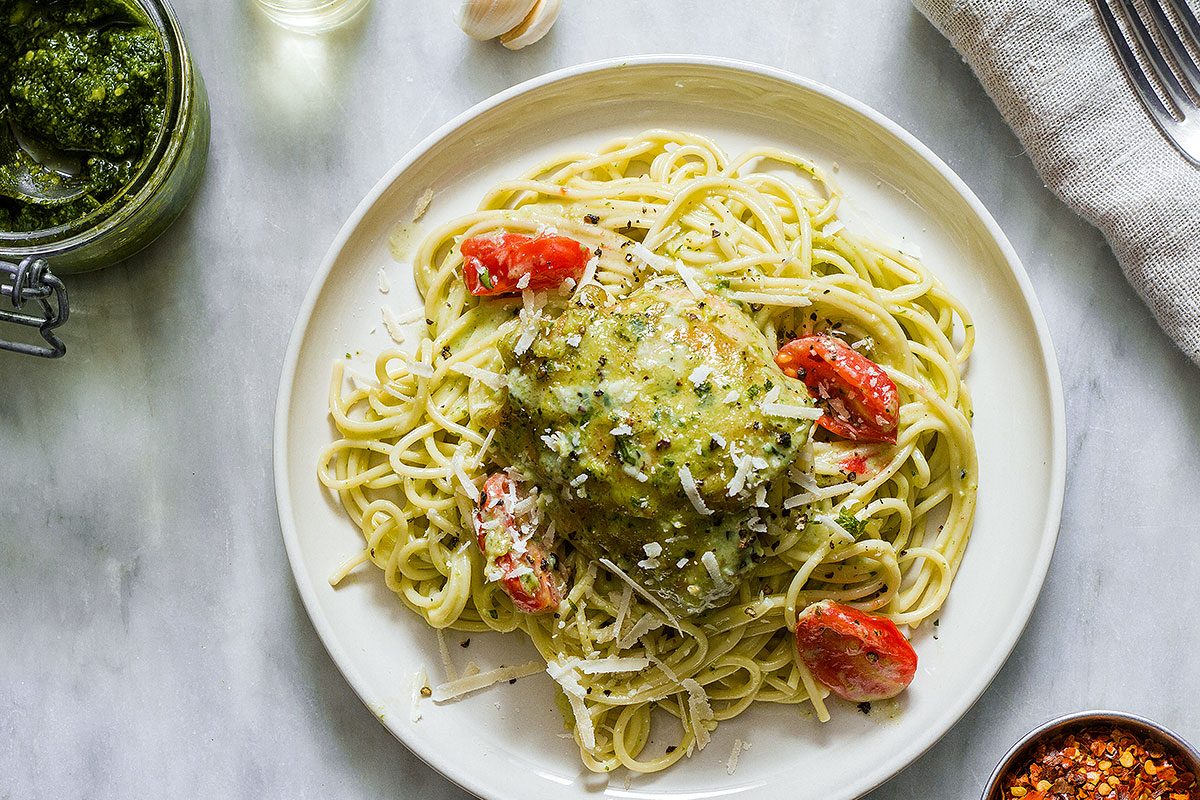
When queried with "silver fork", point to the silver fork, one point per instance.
{"points": [[1181, 124]]}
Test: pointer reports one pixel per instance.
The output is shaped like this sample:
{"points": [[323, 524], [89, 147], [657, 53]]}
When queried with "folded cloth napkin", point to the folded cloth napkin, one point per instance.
{"points": [[1052, 72]]}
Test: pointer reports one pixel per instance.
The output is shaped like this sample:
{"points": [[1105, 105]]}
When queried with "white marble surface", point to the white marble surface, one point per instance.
{"points": [[152, 643]]}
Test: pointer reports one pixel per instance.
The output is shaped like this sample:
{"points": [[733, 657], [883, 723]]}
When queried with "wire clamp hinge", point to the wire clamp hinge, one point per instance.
{"points": [[32, 281]]}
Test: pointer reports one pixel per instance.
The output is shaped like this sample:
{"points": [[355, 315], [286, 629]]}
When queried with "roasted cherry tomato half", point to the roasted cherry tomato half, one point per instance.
{"points": [[859, 656], [860, 401], [510, 544], [498, 263]]}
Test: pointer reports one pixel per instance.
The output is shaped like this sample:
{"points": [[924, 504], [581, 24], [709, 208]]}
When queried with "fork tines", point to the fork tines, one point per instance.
{"points": [[1177, 110]]}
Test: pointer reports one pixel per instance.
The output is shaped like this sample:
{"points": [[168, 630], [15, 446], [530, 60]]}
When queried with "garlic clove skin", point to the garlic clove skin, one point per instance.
{"points": [[534, 26], [487, 19]]}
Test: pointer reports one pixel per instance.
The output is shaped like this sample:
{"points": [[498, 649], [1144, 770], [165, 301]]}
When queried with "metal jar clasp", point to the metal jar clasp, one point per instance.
{"points": [[31, 280]]}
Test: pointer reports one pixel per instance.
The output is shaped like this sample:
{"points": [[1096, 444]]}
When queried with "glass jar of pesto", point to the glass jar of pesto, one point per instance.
{"points": [[105, 107]]}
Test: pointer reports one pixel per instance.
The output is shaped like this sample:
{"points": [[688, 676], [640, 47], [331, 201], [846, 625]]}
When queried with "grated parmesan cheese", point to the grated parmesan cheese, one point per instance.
{"points": [[689, 279], [574, 339], [486, 377], [833, 229], [701, 712], [813, 491], [360, 381], [589, 270], [797, 500], [385, 285], [744, 465], [689, 488], [604, 666], [760, 497], [555, 441], [734, 755], [731, 398], [791, 411], [444, 651], [419, 683], [660, 263], [805, 481], [709, 560], [775, 409], [640, 628], [420, 369], [566, 678], [700, 374], [645, 595], [393, 324], [487, 441], [452, 690], [422, 204], [770, 299], [622, 610], [523, 281], [456, 466], [653, 550], [865, 343], [410, 316], [526, 339], [622, 430], [635, 473], [662, 665]]}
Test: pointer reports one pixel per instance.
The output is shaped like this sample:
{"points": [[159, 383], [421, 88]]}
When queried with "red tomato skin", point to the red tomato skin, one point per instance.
{"points": [[838, 376], [855, 464], [491, 506], [494, 263], [545, 599], [859, 656]]}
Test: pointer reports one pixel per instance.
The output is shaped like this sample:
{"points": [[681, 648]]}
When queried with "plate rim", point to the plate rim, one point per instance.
{"points": [[901, 759]]}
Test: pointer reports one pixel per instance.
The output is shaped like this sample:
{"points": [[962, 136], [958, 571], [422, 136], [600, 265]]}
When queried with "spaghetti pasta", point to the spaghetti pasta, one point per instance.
{"points": [[881, 527]]}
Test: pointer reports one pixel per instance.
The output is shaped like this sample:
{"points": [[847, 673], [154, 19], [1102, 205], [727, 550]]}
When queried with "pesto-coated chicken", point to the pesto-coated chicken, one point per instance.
{"points": [[643, 424]]}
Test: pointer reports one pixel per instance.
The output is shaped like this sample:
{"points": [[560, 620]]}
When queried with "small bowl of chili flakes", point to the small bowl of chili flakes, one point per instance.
{"points": [[1098, 755]]}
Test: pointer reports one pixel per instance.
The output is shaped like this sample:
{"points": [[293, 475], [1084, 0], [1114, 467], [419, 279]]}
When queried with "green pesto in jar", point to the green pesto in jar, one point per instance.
{"points": [[86, 81]]}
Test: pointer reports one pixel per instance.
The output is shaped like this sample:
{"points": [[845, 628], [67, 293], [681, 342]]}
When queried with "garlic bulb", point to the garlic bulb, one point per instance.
{"points": [[536, 25], [487, 19], [518, 23]]}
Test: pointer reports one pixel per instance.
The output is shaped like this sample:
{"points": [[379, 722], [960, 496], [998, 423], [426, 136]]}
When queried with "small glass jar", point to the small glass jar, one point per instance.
{"points": [[312, 16], [159, 191]]}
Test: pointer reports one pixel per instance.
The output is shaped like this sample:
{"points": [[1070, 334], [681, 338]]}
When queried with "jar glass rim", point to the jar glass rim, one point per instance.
{"points": [[151, 173]]}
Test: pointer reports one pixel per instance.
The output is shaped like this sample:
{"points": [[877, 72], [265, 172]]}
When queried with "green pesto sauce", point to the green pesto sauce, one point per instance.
{"points": [[86, 78], [609, 403]]}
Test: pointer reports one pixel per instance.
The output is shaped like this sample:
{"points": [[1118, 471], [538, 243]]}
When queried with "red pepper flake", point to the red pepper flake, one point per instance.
{"points": [[1106, 762]]}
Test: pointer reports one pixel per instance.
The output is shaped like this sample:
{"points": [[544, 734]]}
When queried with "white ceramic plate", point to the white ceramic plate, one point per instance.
{"points": [[504, 743]]}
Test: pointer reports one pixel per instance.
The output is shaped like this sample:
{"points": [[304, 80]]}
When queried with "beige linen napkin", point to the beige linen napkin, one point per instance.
{"points": [[1052, 72]]}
